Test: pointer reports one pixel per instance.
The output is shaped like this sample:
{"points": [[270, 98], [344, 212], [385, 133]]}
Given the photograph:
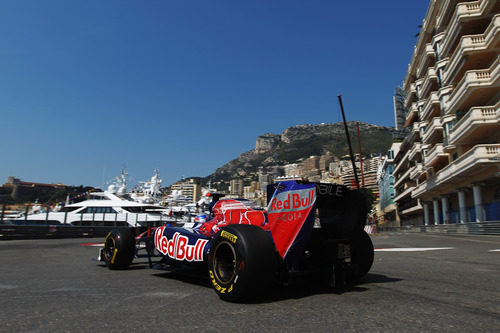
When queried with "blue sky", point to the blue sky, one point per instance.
{"points": [[90, 87]]}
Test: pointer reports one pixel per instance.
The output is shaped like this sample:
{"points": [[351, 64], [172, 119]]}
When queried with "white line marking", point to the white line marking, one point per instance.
{"points": [[497, 250], [413, 249]]}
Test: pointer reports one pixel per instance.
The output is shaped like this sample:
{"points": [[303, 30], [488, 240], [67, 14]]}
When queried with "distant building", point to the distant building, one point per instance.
{"points": [[189, 189], [399, 108], [367, 177], [324, 161], [264, 179], [236, 187], [385, 179], [11, 181], [18, 191], [293, 170], [312, 163]]}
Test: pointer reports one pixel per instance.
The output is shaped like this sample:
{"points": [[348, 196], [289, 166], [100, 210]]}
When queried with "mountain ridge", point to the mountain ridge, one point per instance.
{"points": [[297, 143]]}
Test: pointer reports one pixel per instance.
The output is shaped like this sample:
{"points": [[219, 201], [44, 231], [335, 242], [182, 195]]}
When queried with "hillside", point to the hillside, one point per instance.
{"points": [[299, 142]]}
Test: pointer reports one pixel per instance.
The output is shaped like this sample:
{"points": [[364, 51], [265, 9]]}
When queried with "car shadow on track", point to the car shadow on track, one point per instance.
{"points": [[379, 278], [307, 287], [299, 288], [132, 267], [188, 276]]}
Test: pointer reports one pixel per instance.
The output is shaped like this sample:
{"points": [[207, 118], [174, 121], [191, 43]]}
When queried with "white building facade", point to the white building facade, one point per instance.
{"points": [[448, 168]]}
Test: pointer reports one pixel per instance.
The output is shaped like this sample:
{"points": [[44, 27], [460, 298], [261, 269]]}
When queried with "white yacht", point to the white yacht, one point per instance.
{"points": [[148, 191], [101, 209]]}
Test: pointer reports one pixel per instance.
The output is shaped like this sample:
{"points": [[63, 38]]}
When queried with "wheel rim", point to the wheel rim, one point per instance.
{"points": [[224, 262], [109, 248]]}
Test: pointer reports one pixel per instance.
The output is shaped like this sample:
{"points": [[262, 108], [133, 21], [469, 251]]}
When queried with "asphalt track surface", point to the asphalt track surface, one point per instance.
{"points": [[418, 283]]}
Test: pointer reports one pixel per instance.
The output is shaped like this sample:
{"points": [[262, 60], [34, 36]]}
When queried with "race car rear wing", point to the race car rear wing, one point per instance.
{"points": [[293, 207]]}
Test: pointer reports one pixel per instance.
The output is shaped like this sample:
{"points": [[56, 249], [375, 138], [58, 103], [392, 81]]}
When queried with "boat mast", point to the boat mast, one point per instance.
{"points": [[360, 157], [349, 142]]}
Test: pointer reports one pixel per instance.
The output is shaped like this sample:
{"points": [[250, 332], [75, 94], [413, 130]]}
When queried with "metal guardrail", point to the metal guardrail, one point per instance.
{"points": [[10, 232], [485, 228], [89, 219], [473, 228]]}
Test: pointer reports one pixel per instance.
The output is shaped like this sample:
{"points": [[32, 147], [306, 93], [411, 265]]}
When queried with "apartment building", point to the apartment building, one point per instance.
{"points": [[448, 167], [236, 187], [367, 176], [387, 208], [190, 189], [312, 163], [293, 170]]}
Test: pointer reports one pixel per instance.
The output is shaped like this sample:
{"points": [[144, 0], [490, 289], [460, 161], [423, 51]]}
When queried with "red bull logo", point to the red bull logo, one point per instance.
{"points": [[178, 246], [287, 213], [286, 201]]}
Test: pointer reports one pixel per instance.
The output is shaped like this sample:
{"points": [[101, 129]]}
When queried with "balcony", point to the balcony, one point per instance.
{"points": [[415, 129], [478, 124], [414, 134], [412, 115], [424, 60], [412, 92], [435, 155], [416, 208], [403, 178], [402, 163], [417, 171], [475, 86], [431, 106], [434, 131], [470, 46], [406, 193], [414, 151], [464, 11], [429, 82], [478, 164]]}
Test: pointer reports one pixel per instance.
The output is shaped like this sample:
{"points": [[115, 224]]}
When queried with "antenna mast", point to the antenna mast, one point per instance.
{"points": [[349, 142]]}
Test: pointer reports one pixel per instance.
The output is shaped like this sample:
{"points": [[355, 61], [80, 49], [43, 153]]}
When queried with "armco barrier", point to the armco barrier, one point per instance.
{"points": [[10, 232], [471, 228]]}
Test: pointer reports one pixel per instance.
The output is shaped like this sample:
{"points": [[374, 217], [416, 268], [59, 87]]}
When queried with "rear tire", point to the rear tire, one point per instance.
{"points": [[362, 254], [242, 262], [119, 248]]}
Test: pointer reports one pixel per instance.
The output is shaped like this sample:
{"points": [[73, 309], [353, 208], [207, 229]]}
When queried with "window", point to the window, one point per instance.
{"points": [[98, 210], [69, 209], [144, 209]]}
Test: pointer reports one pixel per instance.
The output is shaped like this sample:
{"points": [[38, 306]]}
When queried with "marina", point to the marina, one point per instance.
{"points": [[117, 206]]}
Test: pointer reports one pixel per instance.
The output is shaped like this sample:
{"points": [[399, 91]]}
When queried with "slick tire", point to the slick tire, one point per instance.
{"points": [[242, 262], [361, 254], [119, 248]]}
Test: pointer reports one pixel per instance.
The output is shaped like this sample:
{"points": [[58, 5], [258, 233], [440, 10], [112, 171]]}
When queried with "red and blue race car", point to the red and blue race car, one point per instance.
{"points": [[308, 227]]}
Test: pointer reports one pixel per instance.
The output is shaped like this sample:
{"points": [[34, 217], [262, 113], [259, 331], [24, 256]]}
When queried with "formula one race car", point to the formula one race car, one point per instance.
{"points": [[308, 227]]}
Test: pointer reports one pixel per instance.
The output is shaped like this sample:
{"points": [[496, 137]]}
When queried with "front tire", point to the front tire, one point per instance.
{"points": [[119, 248], [242, 262]]}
